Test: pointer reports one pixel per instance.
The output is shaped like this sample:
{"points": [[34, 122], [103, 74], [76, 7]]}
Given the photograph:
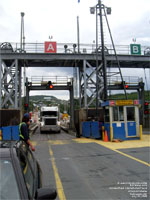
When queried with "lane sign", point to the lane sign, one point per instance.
{"points": [[135, 49], [50, 47], [124, 102]]}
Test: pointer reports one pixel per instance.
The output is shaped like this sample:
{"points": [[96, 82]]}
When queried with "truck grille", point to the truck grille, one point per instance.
{"points": [[50, 121]]}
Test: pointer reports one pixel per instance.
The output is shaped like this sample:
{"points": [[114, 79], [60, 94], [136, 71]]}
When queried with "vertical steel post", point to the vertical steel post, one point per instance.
{"points": [[78, 34], [142, 98], [27, 94], [20, 86], [80, 89], [71, 107], [97, 88], [85, 84], [22, 31], [22, 45], [116, 55], [103, 51], [16, 83]]}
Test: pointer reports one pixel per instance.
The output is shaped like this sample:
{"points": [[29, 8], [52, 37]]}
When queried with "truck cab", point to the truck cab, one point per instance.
{"points": [[49, 119]]}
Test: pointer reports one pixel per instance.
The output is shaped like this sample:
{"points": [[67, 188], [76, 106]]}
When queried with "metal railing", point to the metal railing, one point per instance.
{"points": [[70, 48], [130, 80], [56, 80]]}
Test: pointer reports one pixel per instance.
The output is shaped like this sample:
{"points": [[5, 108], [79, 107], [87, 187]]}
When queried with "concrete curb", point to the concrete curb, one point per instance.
{"points": [[64, 128], [70, 132]]}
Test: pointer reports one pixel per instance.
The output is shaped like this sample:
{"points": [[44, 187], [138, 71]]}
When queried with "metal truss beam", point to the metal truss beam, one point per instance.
{"points": [[88, 84], [10, 85]]}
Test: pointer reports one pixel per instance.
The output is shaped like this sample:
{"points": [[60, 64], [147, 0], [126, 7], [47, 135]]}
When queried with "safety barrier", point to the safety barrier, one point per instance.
{"points": [[9, 133], [92, 129]]}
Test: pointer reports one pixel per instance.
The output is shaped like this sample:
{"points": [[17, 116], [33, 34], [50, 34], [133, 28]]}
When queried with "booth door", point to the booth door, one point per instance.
{"points": [[130, 121]]}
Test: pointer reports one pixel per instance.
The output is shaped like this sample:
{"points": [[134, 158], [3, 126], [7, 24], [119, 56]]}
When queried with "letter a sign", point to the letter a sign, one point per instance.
{"points": [[50, 47]]}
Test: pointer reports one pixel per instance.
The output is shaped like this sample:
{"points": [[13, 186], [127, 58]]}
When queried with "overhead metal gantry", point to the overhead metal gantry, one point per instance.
{"points": [[9, 60], [87, 83], [92, 64], [32, 86], [69, 59], [10, 80], [11, 64]]}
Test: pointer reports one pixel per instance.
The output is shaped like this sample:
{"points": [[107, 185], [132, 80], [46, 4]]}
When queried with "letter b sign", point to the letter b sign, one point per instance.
{"points": [[135, 49]]}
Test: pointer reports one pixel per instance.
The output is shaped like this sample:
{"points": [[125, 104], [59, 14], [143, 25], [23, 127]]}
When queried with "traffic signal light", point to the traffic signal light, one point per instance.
{"points": [[49, 85], [123, 83], [26, 106], [146, 111]]}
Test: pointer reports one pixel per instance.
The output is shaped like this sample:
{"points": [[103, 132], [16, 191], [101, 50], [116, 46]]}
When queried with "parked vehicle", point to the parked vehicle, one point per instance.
{"points": [[49, 119], [20, 175]]}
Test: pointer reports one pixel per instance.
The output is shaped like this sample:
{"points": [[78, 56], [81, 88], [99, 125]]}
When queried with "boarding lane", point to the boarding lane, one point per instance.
{"points": [[92, 169]]}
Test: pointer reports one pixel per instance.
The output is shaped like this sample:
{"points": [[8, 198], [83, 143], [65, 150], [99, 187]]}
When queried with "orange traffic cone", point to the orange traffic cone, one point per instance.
{"points": [[106, 137]]}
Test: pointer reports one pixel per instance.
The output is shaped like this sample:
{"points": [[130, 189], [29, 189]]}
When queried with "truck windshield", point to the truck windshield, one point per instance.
{"points": [[8, 185]]}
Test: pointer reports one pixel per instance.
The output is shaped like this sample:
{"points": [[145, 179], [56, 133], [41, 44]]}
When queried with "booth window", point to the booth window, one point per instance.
{"points": [[130, 114], [118, 113]]}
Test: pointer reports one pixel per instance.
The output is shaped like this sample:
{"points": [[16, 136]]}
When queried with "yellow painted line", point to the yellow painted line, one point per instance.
{"points": [[59, 186], [59, 142], [145, 142], [108, 145], [84, 140], [34, 143], [145, 163], [121, 145]]}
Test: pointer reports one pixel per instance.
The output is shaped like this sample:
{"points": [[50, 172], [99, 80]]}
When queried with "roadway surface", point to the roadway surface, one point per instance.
{"points": [[92, 169]]}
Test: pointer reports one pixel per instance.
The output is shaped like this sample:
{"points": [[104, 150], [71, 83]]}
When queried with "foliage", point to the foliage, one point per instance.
{"points": [[64, 105], [132, 95]]}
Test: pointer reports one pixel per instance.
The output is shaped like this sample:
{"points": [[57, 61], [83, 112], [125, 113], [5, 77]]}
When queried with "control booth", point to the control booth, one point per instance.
{"points": [[121, 119]]}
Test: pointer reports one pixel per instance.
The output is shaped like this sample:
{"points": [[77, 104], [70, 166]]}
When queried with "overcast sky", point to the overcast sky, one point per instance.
{"points": [[58, 18]]}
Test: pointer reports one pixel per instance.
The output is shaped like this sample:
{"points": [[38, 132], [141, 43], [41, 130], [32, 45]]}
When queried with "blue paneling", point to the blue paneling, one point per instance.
{"points": [[119, 132], [15, 132], [131, 128], [101, 124], [10, 132], [6, 133], [86, 129], [95, 129], [90, 129], [106, 103]]}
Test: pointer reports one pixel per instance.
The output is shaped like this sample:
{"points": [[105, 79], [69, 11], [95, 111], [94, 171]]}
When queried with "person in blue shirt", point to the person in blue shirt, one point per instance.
{"points": [[24, 131]]}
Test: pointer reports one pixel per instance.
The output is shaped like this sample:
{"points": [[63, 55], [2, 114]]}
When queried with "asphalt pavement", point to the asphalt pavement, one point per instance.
{"points": [[81, 168]]}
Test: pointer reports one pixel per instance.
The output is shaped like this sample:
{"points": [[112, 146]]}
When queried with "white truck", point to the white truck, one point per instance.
{"points": [[49, 117]]}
